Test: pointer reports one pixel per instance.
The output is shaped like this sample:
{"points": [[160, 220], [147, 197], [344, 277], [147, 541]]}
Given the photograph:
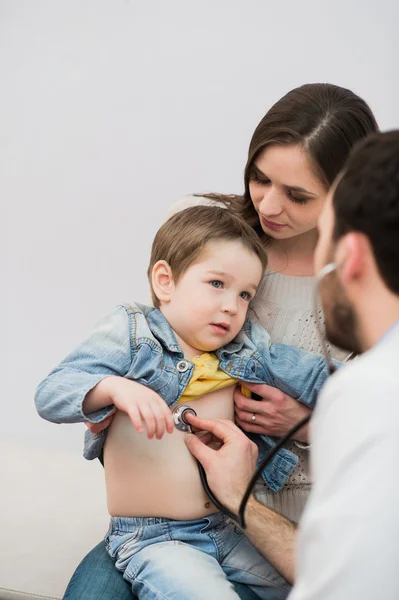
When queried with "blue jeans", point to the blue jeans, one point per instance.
{"points": [[166, 559], [97, 579]]}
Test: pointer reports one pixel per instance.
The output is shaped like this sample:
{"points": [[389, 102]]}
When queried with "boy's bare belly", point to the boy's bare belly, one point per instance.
{"points": [[159, 478]]}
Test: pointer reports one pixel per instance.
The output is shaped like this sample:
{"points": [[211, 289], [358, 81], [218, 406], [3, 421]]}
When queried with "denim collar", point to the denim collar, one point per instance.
{"points": [[164, 333], [237, 344], [160, 327]]}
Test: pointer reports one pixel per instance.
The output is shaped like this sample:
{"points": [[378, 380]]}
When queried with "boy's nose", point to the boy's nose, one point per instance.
{"points": [[230, 307]]}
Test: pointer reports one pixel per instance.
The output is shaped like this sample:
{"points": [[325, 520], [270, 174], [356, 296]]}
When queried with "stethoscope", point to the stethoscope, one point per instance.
{"points": [[183, 409]]}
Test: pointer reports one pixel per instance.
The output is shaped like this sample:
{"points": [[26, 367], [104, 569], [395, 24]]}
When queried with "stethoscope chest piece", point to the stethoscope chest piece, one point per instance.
{"points": [[178, 417]]}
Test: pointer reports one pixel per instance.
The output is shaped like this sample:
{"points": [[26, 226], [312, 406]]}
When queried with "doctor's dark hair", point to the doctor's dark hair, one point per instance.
{"points": [[183, 236], [324, 119], [366, 199]]}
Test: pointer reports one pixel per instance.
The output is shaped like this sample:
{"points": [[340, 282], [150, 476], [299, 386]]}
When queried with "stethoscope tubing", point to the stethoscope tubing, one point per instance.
{"points": [[180, 423]]}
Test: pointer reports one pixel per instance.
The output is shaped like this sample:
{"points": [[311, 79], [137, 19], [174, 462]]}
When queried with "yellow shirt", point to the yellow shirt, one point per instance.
{"points": [[207, 377]]}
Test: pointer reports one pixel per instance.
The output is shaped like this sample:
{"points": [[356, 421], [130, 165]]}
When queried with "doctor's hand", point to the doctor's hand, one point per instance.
{"points": [[230, 467], [273, 415]]}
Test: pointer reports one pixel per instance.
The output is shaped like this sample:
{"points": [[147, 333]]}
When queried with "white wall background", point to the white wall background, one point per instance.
{"points": [[109, 111], [113, 109]]}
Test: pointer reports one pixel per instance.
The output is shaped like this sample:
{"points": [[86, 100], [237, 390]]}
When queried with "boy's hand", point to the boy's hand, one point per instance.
{"points": [[140, 403]]}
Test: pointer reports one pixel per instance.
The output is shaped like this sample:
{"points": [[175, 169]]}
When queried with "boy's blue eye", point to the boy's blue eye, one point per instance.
{"points": [[245, 295], [216, 283]]}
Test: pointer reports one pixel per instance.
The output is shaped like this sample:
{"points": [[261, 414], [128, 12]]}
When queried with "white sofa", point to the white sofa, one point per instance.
{"points": [[53, 511]]}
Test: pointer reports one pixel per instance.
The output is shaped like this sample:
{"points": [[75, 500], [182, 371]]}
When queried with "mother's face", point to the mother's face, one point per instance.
{"points": [[285, 192]]}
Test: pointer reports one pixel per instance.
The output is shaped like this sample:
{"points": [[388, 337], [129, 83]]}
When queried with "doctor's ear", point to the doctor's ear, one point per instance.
{"points": [[352, 256], [162, 280]]}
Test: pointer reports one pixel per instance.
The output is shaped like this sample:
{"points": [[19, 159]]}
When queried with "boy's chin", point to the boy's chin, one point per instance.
{"points": [[213, 346], [208, 348]]}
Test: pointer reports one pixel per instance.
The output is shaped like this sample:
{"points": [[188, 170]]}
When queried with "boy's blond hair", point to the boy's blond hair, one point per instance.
{"points": [[182, 237]]}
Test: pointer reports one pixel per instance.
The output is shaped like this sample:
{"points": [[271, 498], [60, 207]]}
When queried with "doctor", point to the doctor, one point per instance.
{"points": [[348, 542]]}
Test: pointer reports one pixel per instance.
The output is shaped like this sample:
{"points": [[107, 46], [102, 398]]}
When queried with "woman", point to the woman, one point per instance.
{"points": [[295, 154]]}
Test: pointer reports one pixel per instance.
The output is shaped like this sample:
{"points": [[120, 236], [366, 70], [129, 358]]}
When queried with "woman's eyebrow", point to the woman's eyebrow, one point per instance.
{"points": [[295, 188], [256, 168]]}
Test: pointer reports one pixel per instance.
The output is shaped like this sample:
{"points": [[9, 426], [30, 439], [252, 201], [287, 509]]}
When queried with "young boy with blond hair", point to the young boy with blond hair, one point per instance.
{"points": [[192, 346]]}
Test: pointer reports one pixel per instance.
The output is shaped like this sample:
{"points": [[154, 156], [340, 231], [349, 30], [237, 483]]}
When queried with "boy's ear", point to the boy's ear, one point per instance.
{"points": [[162, 280]]}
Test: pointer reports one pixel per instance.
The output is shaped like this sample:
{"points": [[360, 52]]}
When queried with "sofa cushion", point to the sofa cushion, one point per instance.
{"points": [[53, 511]]}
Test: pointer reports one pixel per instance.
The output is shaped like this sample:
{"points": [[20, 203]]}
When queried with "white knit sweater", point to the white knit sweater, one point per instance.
{"points": [[284, 306]]}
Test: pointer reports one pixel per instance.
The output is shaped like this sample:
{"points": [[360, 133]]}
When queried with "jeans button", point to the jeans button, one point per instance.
{"points": [[182, 366]]}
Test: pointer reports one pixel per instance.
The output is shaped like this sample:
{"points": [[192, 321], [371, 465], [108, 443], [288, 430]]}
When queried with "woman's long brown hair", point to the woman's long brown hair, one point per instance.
{"points": [[326, 120]]}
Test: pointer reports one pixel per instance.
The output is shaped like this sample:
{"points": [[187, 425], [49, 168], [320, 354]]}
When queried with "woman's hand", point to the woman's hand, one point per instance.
{"points": [[274, 415]]}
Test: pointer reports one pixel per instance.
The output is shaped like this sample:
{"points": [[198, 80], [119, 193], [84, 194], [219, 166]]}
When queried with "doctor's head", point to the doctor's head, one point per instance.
{"points": [[359, 233]]}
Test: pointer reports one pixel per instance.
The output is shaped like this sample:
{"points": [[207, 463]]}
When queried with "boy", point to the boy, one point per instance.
{"points": [[197, 342]]}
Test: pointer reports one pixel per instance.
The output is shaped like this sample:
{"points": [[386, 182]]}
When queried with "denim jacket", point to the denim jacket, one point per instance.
{"points": [[137, 342]]}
